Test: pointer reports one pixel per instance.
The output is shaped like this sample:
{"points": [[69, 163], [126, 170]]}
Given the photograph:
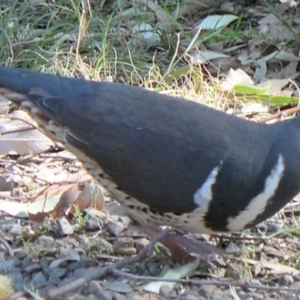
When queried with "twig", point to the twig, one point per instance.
{"points": [[280, 114], [102, 271], [118, 273], [7, 247]]}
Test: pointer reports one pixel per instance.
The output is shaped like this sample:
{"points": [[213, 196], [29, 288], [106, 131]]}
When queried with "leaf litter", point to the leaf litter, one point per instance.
{"points": [[47, 241]]}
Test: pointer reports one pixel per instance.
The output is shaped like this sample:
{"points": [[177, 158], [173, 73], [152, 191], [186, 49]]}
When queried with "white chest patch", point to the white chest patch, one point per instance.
{"points": [[258, 204], [204, 195]]}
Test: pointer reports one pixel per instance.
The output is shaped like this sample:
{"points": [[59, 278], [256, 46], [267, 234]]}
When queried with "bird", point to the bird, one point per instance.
{"points": [[166, 160]]}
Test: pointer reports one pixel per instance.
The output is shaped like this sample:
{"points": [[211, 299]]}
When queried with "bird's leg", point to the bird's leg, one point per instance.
{"points": [[182, 247]]}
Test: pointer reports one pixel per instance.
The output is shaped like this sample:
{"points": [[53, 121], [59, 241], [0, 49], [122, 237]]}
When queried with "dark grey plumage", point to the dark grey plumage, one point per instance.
{"points": [[168, 160]]}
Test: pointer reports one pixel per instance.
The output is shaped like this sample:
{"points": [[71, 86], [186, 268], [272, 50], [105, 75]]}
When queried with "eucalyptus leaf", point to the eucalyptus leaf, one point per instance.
{"points": [[250, 89]]}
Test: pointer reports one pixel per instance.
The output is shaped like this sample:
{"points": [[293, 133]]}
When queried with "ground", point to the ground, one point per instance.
{"points": [[45, 243]]}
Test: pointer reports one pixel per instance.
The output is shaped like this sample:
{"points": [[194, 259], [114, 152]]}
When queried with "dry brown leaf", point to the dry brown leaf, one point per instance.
{"points": [[19, 137], [56, 200], [66, 201], [38, 217], [165, 18], [90, 197], [276, 268]]}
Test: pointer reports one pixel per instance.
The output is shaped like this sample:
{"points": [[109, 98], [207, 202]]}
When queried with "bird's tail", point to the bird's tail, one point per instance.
{"points": [[22, 81]]}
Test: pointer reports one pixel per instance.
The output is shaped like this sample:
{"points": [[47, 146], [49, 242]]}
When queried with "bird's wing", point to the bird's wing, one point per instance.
{"points": [[162, 150]]}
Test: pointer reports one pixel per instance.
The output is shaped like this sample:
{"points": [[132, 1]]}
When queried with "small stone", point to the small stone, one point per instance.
{"points": [[255, 282], [57, 273], [102, 246], [79, 273], [233, 272], [65, 227], [92, 224], [257, 296], [273, 227], [126, 251], [117, 286], [208, 291], [115, 228], [296, 276], [233, 249], [141, 243], [295, 285], [165, 291], [136, 297], [38, 279], [21, 254], [7, 265], [95, 287], [104, 295], [286, 280], [16, 229], [242, 294], [256, 269], [124, 245], [25, 263], [91, 297], [217, 260], [263, 256], [33, 268], [77, 297], [45, 241], [125, 220], [17, 279], [117, 296], [191, 297]]}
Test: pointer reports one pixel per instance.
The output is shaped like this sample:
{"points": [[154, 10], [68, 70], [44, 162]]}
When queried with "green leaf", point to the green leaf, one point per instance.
{"points": [[280, 100], [262, 95], [250, 89], [177, 73], [183, 71]]}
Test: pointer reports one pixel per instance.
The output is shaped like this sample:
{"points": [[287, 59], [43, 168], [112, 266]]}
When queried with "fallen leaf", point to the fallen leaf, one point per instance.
{"points": [[66, 201], [276, 268], [216, 21], [178, 273]]}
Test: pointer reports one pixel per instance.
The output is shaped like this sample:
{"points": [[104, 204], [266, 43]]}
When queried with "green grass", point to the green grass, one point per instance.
{"points": [[81, 39], [68, 39]]}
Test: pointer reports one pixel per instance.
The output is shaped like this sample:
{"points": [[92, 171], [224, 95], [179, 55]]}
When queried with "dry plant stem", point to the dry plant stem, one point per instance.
{"points": [[15, 131], [7, 247], [280, 114], [237, 238], [18, 295], [101, 271], [49, 183], [27, 159], [32, 126], [118, 273]]}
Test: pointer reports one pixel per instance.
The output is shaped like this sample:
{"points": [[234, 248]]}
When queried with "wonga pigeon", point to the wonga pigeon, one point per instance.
{"points": [[167, 160]]}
